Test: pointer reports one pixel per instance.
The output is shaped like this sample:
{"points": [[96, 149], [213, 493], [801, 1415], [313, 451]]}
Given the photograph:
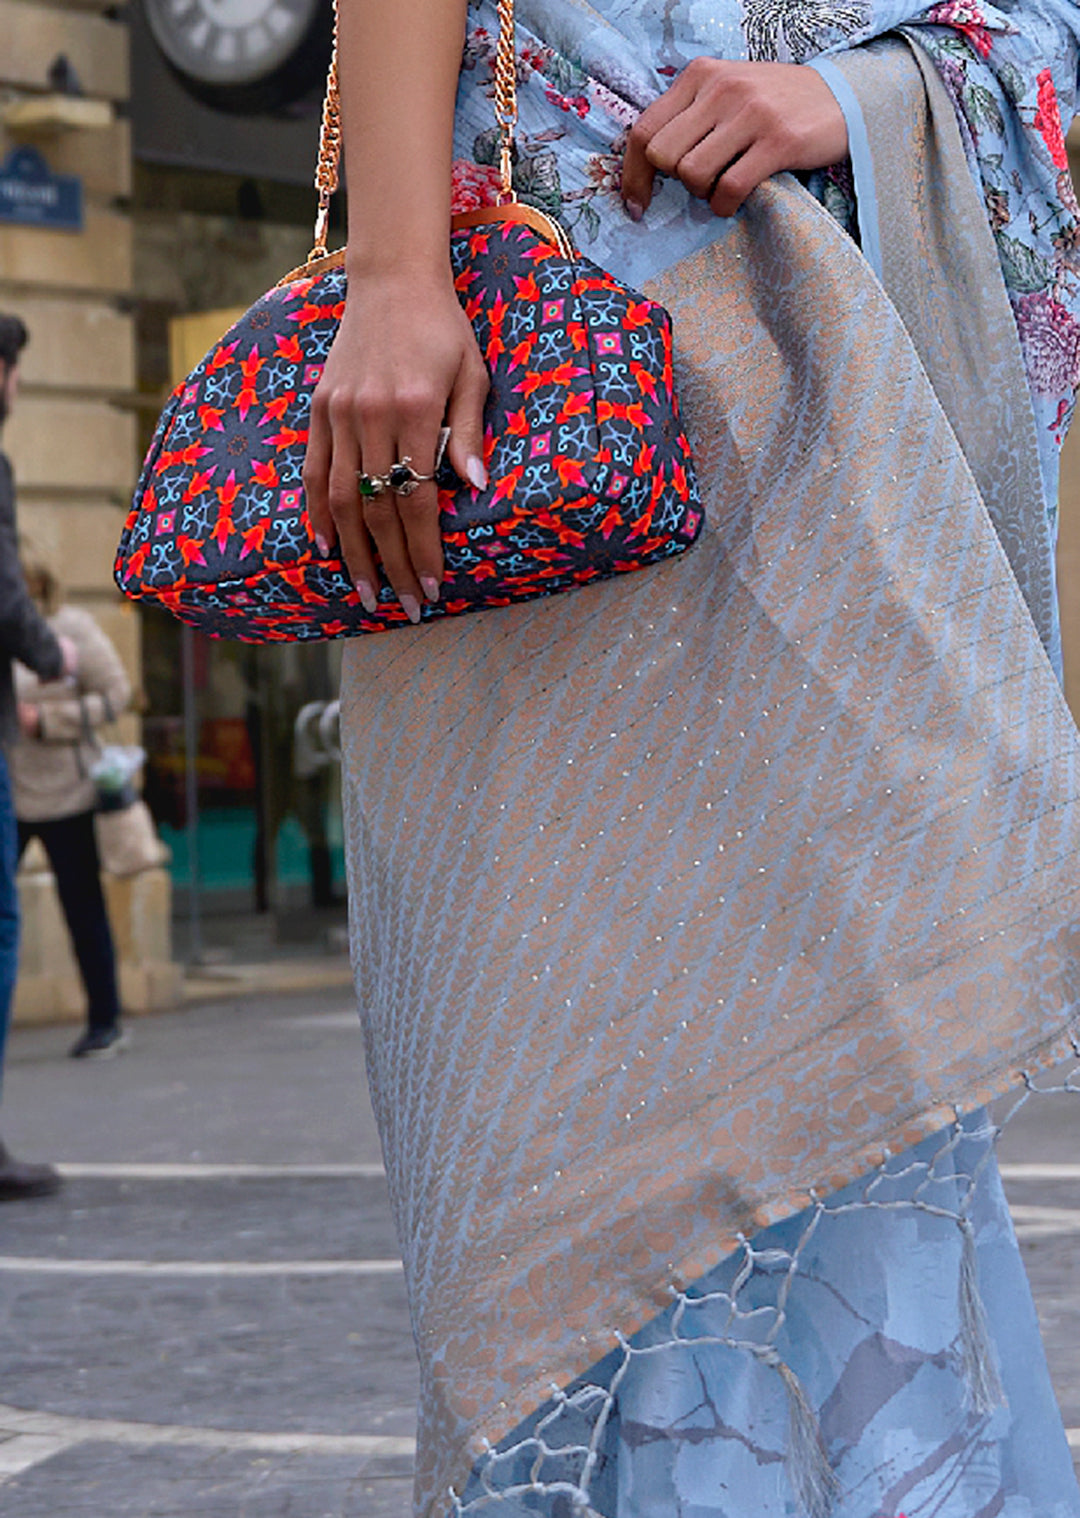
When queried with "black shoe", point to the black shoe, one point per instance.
{"points": [[100, 1043], [19, 1181]]}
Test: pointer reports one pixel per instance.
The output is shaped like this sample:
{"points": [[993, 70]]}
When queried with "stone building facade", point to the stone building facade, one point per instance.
{"points": [[74, 437]]}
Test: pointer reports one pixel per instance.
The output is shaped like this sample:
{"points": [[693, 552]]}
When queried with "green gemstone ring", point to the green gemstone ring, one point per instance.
{"points": [[370, 485]]}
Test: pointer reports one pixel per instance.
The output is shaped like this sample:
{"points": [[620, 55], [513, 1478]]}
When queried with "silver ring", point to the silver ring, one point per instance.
{"points": [[403, 478], [371, 485]]}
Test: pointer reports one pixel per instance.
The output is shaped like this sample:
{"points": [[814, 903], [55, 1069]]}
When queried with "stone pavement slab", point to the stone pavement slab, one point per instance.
{"points": [[268, 1079], [321, 1355], [99, 1479], [234, 1140], [276, 1218]]}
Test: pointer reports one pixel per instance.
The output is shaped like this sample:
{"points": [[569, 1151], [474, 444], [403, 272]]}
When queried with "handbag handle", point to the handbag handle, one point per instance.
{"points": [[328, 167]]}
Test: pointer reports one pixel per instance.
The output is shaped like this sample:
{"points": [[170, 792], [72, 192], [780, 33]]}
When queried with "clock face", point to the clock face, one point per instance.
{"points": [[230, 42]]}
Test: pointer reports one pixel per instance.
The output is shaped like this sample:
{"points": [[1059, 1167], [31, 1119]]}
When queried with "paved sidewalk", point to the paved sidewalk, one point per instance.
{"points": [[210, 1320]]}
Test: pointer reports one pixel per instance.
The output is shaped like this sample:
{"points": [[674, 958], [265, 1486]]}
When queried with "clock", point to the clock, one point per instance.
{"points": [[244, 55]]}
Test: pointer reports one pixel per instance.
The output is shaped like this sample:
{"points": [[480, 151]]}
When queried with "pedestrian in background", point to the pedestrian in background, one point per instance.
{"points": [[26, 636], [56, 798]]}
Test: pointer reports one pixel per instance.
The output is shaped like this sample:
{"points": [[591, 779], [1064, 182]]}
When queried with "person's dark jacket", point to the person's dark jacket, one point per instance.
{"points": [[24, 633]]}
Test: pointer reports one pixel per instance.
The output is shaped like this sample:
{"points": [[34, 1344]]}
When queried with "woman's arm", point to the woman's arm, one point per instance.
{"points": [[105, 689], [405, 358]]}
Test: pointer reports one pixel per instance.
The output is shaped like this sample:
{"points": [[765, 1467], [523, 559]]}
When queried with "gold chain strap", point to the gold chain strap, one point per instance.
{"points": [[506, 104], [329, 161], [328, 167]]}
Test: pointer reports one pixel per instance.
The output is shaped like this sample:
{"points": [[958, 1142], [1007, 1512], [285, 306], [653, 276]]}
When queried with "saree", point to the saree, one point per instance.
{"points": [[696, 912]]}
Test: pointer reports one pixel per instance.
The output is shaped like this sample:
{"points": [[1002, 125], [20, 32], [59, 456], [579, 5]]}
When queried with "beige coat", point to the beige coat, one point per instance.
{"points": [[49, 775]]}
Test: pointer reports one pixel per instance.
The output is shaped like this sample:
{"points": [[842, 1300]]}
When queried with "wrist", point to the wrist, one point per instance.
{"points": [[390, 264], [414, 277]]}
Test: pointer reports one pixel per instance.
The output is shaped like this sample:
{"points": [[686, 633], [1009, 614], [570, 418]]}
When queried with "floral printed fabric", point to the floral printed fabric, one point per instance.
{"points": [[1011, 72], [860, 1299], [585, 71]]}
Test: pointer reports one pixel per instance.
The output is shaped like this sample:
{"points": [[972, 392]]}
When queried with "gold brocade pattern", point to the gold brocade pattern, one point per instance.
{"points": [[684, 896]]}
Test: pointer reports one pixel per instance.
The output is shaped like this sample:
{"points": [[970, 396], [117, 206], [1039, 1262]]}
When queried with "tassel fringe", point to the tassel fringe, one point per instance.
{"points": [[812, 1477], [985, 1391]]}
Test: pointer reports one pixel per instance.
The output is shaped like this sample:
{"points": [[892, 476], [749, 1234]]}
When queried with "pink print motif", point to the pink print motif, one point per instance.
{"points": [[473, 186], [1048, 120], [965, 17], [577, 103]]}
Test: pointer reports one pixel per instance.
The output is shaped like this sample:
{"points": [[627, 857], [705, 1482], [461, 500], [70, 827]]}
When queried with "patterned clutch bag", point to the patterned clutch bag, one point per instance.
{"points": [[590, 471]]}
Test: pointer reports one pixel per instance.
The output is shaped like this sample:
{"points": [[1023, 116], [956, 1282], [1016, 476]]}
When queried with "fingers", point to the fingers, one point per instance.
{"points": [[409, 543], [70, 653], [465, 418], [381, 520], [680, 136], [343, 506], [411, 547], [638, 174], [699, 153], [405, 526], [725, 126], [638, 171], [316, 474], [756, 165], [395, 532]]}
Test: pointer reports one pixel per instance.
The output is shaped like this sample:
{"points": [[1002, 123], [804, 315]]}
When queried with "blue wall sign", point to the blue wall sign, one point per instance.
{"points": [[30, 193]]}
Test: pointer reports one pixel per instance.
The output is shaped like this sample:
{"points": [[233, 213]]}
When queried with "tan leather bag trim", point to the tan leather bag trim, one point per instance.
{"points": [[485, 216]]}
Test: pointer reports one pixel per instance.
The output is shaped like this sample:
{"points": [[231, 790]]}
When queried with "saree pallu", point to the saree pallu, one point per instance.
{"points": [[682, 902]]}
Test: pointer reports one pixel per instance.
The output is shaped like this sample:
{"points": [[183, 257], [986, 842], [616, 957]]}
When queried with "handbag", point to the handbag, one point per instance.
{"points": [[113, 773], [127, 838], [128, 841], [590, 472]]}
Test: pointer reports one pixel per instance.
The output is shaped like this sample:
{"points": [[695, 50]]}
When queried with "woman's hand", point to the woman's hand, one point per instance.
{"points": [[404, 364], [723, 128], [29, 719]]}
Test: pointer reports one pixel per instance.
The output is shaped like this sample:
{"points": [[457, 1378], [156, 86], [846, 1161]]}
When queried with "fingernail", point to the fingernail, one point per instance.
{"points": [[411, 607], [634, 209], [430, 587], [322, 545], [476, 473], [367, 596]]}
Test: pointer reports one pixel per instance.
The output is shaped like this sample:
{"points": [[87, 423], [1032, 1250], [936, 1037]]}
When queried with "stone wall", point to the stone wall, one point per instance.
{"points": [[73, 438]]}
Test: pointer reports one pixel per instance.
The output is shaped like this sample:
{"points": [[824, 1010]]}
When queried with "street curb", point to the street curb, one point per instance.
{"points": [[208, 983]]}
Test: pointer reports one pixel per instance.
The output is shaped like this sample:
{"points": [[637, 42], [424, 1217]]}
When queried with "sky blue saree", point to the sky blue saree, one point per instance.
{"points": [[745, 887]]}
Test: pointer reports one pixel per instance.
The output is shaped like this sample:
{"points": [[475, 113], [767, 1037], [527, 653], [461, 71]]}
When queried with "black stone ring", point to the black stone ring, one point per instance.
{"points": [[403, 478]]}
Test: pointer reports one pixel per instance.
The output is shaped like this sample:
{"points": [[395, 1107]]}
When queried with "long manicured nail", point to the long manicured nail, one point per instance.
{"points": [[367, 596], [411, 607], [476, 473], [322, 545], [634, 209], [430, 587]]}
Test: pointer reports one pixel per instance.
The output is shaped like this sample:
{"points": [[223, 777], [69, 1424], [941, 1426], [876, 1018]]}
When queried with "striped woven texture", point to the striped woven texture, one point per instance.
{"points": [[678, 898]]}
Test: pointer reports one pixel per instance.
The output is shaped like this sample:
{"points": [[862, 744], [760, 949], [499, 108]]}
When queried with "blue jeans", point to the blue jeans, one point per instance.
{"points": [[9, 906]]}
